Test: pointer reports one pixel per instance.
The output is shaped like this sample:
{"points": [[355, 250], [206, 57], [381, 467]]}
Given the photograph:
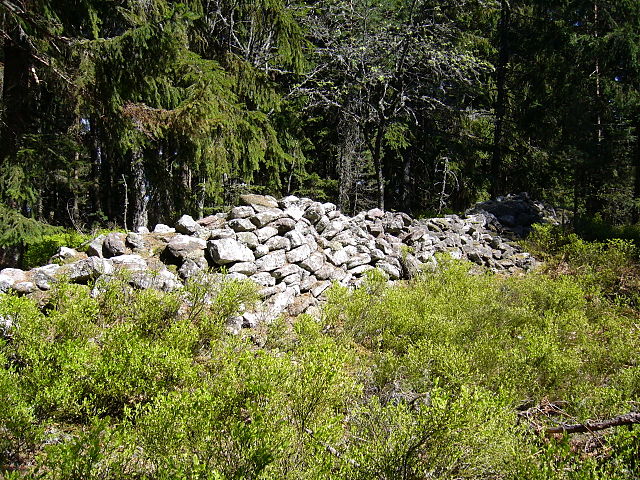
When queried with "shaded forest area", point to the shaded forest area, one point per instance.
{"points": [[137, 111]]}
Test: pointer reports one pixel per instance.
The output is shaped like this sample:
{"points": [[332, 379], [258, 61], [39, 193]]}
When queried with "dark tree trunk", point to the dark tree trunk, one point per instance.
{"points": [[18, 85], [636, 178], [407, 184], [501, 98]]}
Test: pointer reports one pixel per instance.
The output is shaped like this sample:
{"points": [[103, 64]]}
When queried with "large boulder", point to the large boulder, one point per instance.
{"points": [[183, 247], [114, 245], [227, 250]]}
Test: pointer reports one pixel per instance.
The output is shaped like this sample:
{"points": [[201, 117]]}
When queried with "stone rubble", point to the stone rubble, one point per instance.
{"points": [[294, 249]]}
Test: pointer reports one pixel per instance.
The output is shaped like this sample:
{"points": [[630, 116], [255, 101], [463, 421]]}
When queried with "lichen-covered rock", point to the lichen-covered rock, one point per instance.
{"points": [[182, 247], [299, 254], [283, 225], [6, 282], [266, 233], [86, 269], [278, 243], [246, 268], [162, 228], [114, 245], [94, 249], [135, 241], [249, 239], [187, 225], [241, 212], [259, 201], [46, 275], [241, 225], [271, 261], [227, 250], [266, 217], [129, 262], [313, 262]]}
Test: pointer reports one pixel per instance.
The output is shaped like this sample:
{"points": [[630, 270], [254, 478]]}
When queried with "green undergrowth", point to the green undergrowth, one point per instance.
{"points": [[609, 267], [451, 376]]}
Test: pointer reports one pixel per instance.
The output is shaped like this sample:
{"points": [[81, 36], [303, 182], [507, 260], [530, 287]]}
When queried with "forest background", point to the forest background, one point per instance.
{"points": [[137, 111]]}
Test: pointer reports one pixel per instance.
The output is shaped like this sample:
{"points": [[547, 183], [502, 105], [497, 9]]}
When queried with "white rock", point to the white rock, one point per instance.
{"points": [[278, 243], [319, 288], [237, 276], [296, 238], [88, 268], [15, 275], [261, 251], [45, 276], [342, 256], [360, 270], [228, 250], [288, 201], [264, 279], [294, 212], [299, 254], [314, 212], [293, 279], [391, 270], [162, 228], [241, 225], [267, 216], [129, 262], [313, 262], [95, 246], [135, 240], [241, 212], [24, 288], [6, 282], [359, 259], [248, 238], [185, 246], [271, 261], [286, 270], [322, 224], [266, 233], [187, 225], [329, 207], [246, 268], [217, 233]]}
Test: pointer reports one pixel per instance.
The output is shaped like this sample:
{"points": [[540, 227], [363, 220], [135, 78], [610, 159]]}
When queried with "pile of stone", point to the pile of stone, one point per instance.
{"points": [[294, 249]]}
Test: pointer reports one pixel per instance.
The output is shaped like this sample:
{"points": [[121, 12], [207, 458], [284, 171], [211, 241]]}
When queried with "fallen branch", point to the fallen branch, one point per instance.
{"points": [[591, 426]]}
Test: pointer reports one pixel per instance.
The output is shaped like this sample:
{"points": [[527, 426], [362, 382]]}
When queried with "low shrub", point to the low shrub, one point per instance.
{"points": [[449, 376]]}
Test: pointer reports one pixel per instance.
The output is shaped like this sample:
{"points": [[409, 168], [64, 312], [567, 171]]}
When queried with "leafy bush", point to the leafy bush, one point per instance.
{"points": [[447, 376], [38, 251]]}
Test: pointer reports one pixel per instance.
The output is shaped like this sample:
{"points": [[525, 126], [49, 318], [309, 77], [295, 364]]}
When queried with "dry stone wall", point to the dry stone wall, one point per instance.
{"points": [[293, 248]]}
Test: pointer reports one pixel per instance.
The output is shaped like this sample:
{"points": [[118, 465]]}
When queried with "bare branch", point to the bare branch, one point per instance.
{"points": [[593, 426]]}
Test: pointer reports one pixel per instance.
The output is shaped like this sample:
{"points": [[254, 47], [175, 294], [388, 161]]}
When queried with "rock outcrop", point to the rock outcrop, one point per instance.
{"points": [[294, 249]]}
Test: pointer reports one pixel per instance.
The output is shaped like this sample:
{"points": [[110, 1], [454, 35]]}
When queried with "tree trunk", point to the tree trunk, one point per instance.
{"points": [[96, 166], [377, 161], [636, 178], [501, 98], [407, 184], [16, 92], [140, 198]]}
